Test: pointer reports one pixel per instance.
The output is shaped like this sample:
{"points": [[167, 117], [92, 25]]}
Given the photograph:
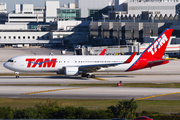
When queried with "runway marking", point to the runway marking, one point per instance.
{"points": [[157, 96], [100, 79], [53, 90]]}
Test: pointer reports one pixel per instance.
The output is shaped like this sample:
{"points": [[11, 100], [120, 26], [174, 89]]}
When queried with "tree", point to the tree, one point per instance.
{"points": [[6, 113], [124, 109]]}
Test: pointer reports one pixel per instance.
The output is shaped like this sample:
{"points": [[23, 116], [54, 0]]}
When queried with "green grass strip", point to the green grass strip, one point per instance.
{"points": [[144, 85]]}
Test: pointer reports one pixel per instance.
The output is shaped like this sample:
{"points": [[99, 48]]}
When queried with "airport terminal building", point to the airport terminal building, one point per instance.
{"points": [[92, 22]]}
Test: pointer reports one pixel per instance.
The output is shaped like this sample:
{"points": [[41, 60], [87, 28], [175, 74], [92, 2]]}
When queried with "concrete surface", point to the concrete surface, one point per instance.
{"points": [[87, 93]]}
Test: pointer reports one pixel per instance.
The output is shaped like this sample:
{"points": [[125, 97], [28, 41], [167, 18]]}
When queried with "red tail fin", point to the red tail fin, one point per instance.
{"points": [[103, 52], [158, 47], [152, 56]]}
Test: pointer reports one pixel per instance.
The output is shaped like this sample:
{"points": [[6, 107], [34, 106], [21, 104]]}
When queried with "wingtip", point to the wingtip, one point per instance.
{"points": [[130, 58]]}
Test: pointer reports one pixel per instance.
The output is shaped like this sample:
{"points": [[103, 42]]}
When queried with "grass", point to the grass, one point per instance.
{"points": [[62, 102], [153, 85], [30, 85], [146, 85], [94, 85], [79, 102]]}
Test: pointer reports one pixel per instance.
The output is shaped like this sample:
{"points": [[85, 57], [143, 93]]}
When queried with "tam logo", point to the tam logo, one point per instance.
{"points": [[33, 62], [158, 44]]}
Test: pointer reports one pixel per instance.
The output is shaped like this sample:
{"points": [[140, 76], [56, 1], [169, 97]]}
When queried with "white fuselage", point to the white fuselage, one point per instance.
{"points": [[21, 64]]}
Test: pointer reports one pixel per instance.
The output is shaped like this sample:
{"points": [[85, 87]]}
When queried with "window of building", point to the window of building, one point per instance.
{"points": [[24, 37], [33, 37], [4, 37], [14, 37], [19, 37], [42, 37], [28, 37], [68, 13], [97, 13], [9, 37], [38, 37]]}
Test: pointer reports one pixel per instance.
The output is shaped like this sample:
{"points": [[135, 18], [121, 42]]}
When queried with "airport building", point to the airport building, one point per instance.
{"points": [[94, 22]]}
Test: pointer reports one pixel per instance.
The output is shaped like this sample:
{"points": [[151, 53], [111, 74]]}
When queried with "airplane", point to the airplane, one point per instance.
{"points": [[86, 65], [103, 52]]}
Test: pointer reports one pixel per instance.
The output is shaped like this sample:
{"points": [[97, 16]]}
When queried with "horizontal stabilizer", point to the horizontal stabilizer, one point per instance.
{"points": [[156, 61]]}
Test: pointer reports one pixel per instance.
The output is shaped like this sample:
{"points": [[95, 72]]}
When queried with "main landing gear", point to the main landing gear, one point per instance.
{"points": [[17, 74], [88, 75]]}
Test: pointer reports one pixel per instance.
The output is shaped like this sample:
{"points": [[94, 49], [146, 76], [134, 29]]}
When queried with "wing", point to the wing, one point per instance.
{"points": [[95, 67]]}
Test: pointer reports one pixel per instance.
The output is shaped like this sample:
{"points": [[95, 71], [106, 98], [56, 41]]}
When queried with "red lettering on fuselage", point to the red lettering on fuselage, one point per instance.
{"points": [[38, 62], [49, 63], [32, 62]]}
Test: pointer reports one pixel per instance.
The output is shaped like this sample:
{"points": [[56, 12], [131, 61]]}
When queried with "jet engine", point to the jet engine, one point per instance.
{"points": [[71, 71]]}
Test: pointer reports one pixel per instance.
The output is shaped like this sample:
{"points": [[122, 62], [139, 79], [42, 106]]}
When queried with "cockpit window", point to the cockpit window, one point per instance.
{"points": [[10, 61]]}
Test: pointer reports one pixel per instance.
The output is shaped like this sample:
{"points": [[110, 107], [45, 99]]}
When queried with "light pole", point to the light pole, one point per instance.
{"points": [[92, 19]]}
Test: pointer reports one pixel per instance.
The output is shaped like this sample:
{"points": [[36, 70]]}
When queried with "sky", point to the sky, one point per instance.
{"points": [[37, 3]]}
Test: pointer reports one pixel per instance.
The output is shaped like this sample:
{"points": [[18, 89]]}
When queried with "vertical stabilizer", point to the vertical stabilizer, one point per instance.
{"points": [[152, 56], [158, 47]]}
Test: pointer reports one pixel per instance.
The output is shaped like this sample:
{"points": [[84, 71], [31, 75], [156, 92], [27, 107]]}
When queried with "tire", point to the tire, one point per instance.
{"points": [[88, 76], [83, 75], [92, 76]]}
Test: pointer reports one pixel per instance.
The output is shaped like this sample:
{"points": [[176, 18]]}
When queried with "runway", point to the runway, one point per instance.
{"points": [[169, 73], [79, 80], [89, 92]]}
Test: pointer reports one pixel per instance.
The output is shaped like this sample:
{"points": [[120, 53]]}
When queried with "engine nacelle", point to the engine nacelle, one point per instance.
{"points": [[71, 71]]}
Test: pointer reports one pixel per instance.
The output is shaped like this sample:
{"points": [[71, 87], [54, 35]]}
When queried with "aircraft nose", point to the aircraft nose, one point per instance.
{"points": [[5, 64]]}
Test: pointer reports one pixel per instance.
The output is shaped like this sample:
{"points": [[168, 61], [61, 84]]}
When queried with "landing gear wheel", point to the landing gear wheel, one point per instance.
{"points": [[17, 74], [83, 75], [88, 76], [92, 76]]}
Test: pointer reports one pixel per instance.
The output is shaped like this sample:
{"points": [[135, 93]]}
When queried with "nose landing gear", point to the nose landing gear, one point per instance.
{"points": [[17, 74]]}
